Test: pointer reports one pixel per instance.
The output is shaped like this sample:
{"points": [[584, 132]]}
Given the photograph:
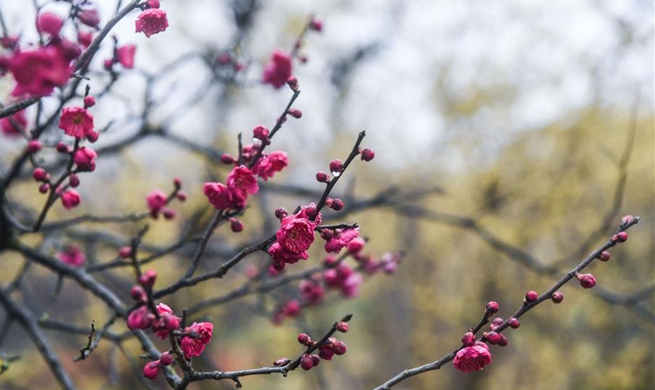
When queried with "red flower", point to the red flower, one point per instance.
{"points": [[156, 202], [76, 122], [340, 240], [278, 70], [473, 358], [8, 126], [241, 182], [200, 336], [296, 234], [269, 165], [126, 56], [38, 72], [218, 195], [140, 318], [167, 321], [72, 255], [151, 21]]}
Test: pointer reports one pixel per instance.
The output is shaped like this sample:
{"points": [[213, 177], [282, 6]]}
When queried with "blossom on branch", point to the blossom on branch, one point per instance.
{"points": [[76, 122], [151, 21], [38, 72], [473, 358], [200, 334], [72, 255], [268, 165], [278, 70]]}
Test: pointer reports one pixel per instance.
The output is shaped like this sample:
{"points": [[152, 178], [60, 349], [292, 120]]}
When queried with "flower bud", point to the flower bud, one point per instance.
{"points": [[316, 25], [468, 339], [492, 307], [43, 188], [492, 337], [322, 177], [166, 358], [295, 113], [514, 323], [39, 174], [304, 339], [181, 196], [281, 362], [306, 362], [356, 245], [336, 167], [33, 146], [62, 148], [235, 225], [340, 348], [151, 370], [327, 234], [292, 82], [227, 159], [557, 297], [261, 132], [89, 101], [530, 296], [503, 341], [627, 220], [177, 183], [125, 252], [603, 256], [368, 154], [342, 326], [587, 280], [281, 213], [620, 237], [168, 213], [337, 204], [147, 280], [138, 294]]}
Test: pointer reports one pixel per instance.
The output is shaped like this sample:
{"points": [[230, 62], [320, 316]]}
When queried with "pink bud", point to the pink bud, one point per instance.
{"points": [[316, 25], [336, 167], [356, 245], [147, 280], [181, 196], [43, 188], [306, 362], [603, 256], [492, 337], [304, 339], [468, 339], [166, 358], [281, 362], [260, 132], [70, 199], [62, 148], [322, 177], [557, 297], [92, 136], [514, 323], [620, 237], [292, 82], [627, 220], [89, 16], [168, 213], [73, 180], [368, 154], [153, 3], [327, 234], [281, 213], [39, 174], [340, 348], [235, 225], [177, 182], [342, 326], [531, 296], [151, 370], [337, 204], [587, 280], [49, 23], [295, 113], [125, 252], [138, 294], [108, 64], [492, 307], [503, 341], [89, 101], [227, 159], [33, 146]]}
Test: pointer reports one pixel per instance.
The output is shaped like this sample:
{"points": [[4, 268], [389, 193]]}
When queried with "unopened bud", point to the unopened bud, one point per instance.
{"points": [[295, 113], [557, 297], [530, 296], [620, 237], [368, 154], [586, 280], [603, 256]]}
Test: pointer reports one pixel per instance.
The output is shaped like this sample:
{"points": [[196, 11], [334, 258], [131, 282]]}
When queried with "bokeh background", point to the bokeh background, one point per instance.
{"points": [[506, 129]]}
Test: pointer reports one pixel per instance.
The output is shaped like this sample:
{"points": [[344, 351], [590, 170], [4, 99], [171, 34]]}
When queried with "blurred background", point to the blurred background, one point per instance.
{"points": [[510, 138]]}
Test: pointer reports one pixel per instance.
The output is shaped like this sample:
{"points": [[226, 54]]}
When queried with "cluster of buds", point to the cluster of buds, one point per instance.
{"points": [[326, 351], [152, 369], [157, 201]]}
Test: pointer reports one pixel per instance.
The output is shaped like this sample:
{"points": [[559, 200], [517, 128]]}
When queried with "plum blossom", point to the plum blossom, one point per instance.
{"points": [[72, 255], [200, 335], [38, 72], [76, 122], [267, 166], [473, 358], [278, 70], [151, 21]]}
